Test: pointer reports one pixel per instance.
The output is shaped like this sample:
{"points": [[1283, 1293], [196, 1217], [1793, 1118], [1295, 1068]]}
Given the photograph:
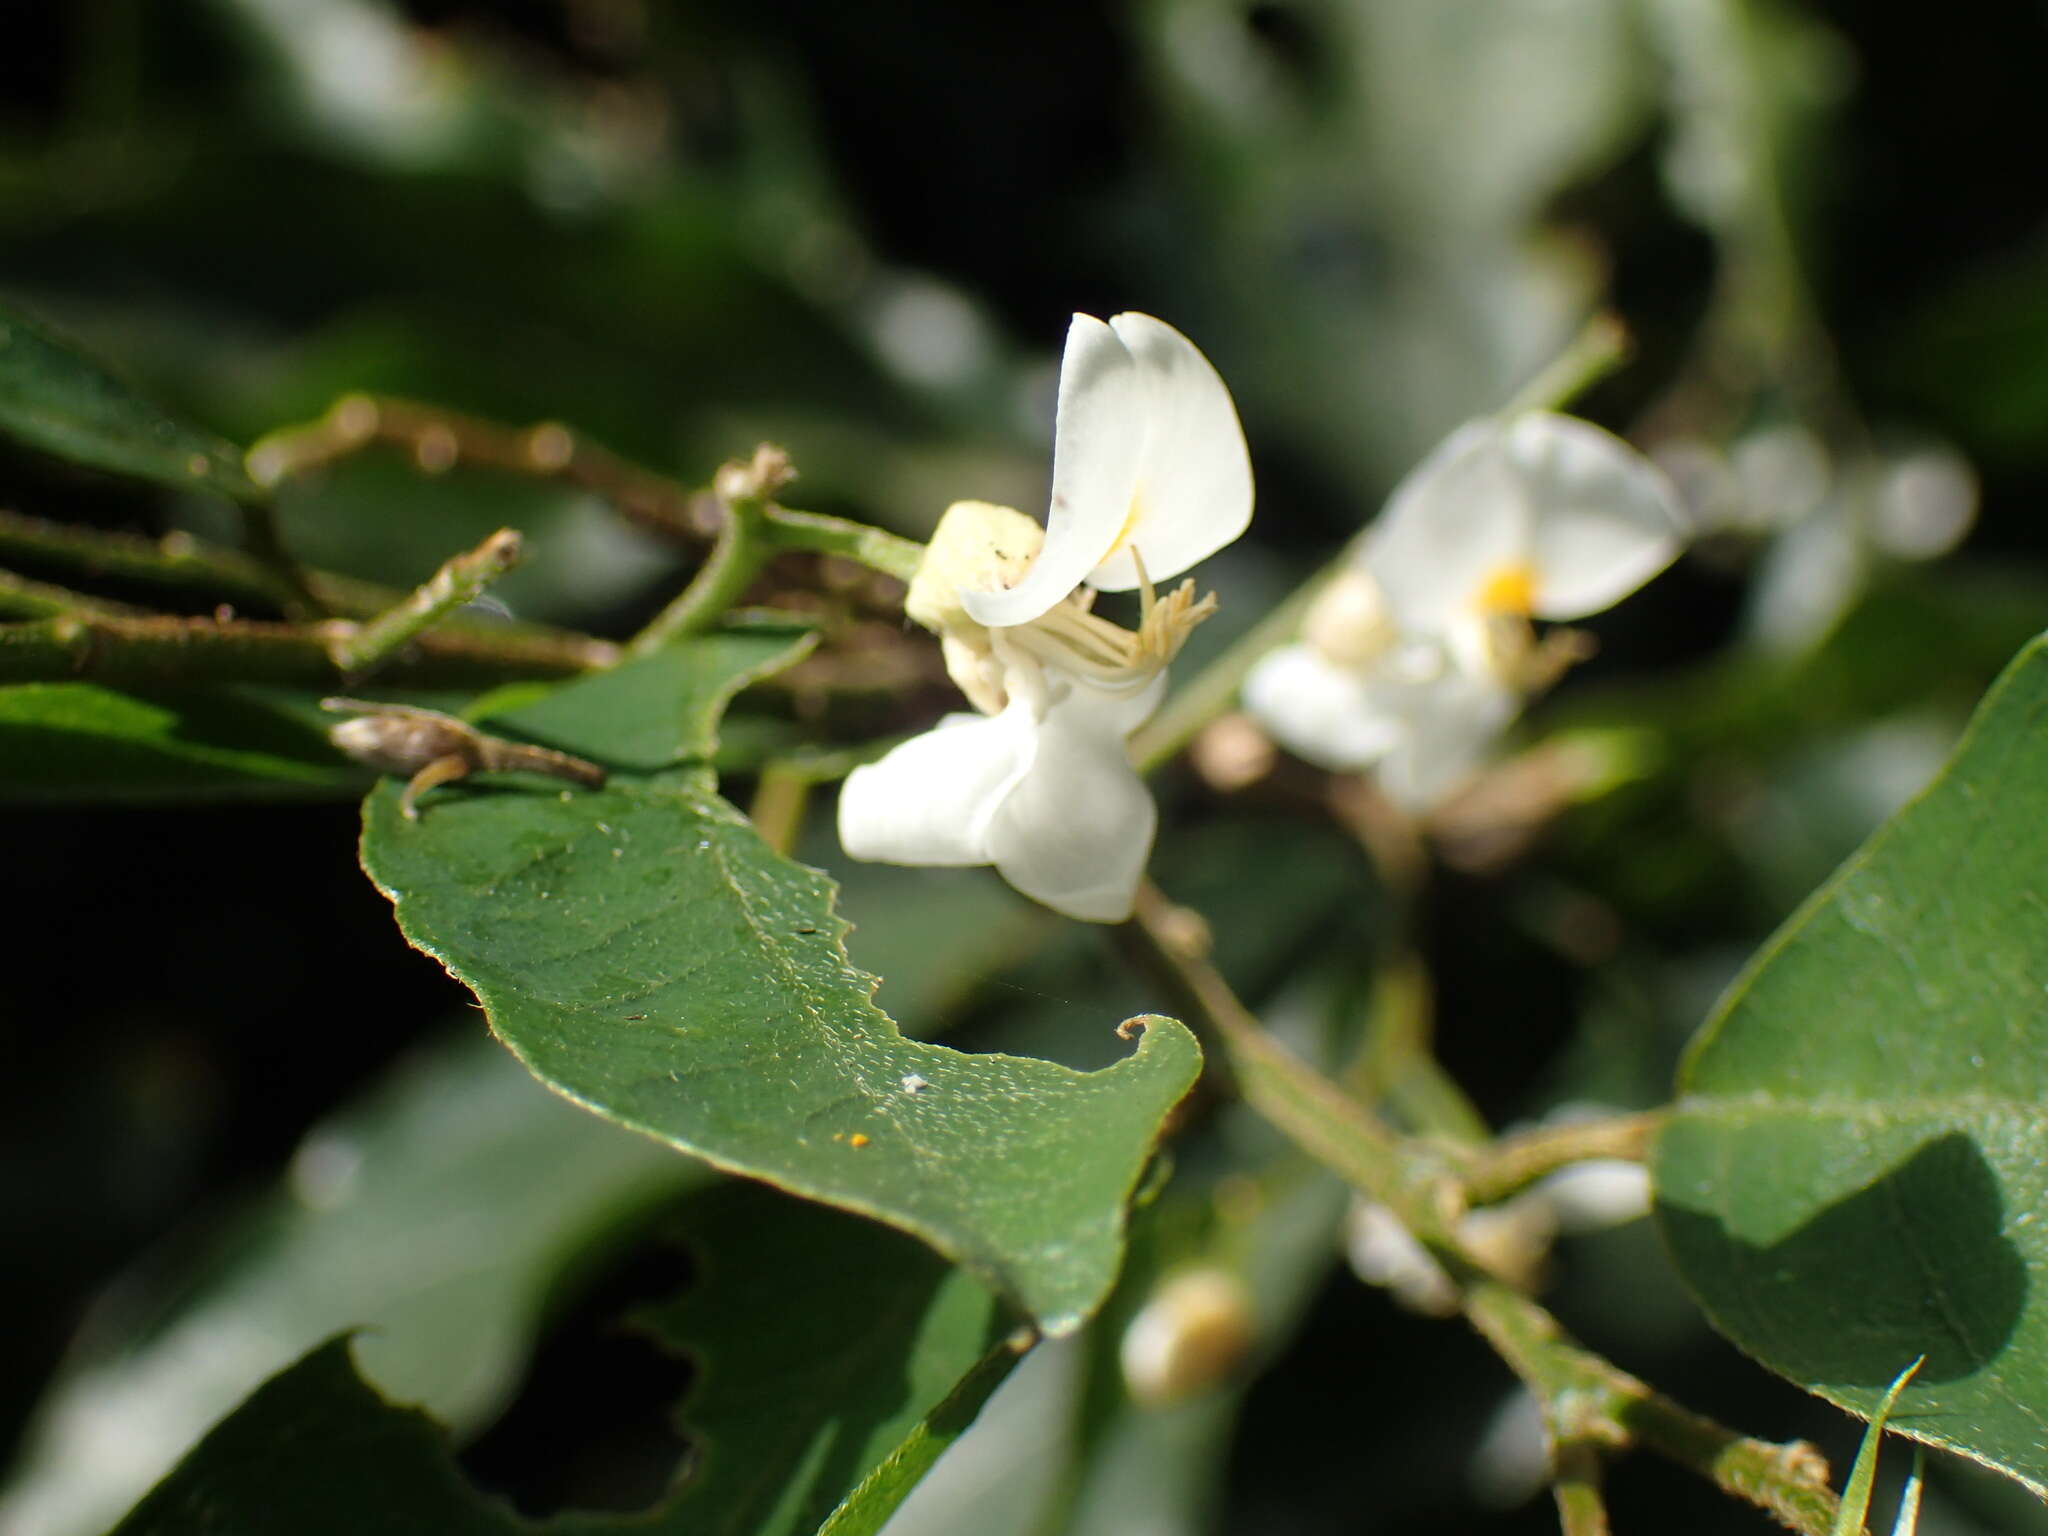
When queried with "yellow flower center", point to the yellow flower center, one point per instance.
{"points": [[1509, 589]]}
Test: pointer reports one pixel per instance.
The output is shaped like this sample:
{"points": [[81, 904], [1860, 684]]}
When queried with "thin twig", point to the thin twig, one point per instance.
{"points": [[1606, 1404], [460, 580], [178, 562], [159, 648], [21, 598], [438, 440], [1599, 1401], [267, 549], [1410, 1179]]}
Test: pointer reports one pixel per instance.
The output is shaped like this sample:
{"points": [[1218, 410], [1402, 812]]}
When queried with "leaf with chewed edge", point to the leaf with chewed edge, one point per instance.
{"points": [[646, 954], [832, 1360]]}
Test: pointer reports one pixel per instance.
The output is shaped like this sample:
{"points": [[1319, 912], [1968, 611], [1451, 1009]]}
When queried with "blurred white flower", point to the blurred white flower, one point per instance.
{"points": [[1417, 657], [1150, 475]]}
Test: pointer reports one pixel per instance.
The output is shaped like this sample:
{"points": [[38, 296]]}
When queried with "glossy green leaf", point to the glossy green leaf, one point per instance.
{"points": [[436, 1215], [645, 953], [1854, 1174], [833, 1359], [654, 712], [76, 742], [54, 398]]}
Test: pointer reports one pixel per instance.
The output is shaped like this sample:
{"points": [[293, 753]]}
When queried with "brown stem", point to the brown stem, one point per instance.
{"points": [[438, 440], [167, 649], [181, 563]]}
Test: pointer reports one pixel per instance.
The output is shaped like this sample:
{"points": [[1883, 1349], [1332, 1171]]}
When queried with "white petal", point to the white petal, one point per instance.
{"points": [[1459, 517], [1605, 518], [1097, 443], [931, 800], [1077, 829], [1326, 714], [1194, 482], [1453, 725]]}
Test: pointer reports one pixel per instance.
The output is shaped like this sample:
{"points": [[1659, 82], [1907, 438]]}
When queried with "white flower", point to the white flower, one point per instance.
{"points": [[1416, 657], [1150, 475]]}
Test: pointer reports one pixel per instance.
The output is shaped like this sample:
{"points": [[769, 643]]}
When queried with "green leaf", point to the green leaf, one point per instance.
{"points": [[55, 399], [645, 953], [649, 714], [835, 1360], [436, 1215], [1853, 1176], [73, 742]]}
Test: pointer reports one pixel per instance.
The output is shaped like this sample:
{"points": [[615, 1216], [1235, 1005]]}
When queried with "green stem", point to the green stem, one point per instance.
{"points": [[1576, 1486], [459, 581], [1601, 346], [875, 548], [1214, 689], [21, 598], [1318, 1116], [1611, 1407], [1511, 1165], [1594, 1400], [735, 560]]}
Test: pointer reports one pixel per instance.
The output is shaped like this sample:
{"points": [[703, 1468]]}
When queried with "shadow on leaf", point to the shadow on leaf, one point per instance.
{"points": [[1915, 1262]]}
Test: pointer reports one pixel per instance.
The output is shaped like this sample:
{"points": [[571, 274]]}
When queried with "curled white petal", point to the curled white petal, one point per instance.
{"points": [[932, 799], [1075, 830], [1323, 713], [1605, 519], [1149, 461], [1098, 444], [1194, 486], [1460, 516]]}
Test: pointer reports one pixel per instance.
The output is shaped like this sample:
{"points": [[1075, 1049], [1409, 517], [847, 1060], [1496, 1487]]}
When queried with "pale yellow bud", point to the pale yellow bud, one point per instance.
{"points": [[1193, 1333], [1348, 622], [978, 547]]}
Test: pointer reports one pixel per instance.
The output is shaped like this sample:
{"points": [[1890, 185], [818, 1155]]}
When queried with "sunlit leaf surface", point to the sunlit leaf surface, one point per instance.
{"points": [[1854, 1176]]}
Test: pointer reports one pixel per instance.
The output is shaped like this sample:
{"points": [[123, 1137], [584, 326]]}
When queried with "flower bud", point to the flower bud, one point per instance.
{"points": [[1189, 1337]]}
